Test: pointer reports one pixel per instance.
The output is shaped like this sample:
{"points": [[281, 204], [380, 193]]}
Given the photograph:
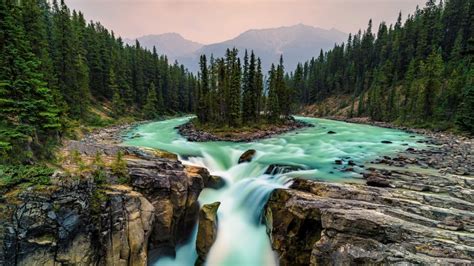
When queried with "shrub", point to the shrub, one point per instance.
{"points": [[98, 170], [12, 175], [119, 169]]}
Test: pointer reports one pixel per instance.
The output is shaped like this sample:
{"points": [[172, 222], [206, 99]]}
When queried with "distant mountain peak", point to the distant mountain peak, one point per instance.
{"points": [[171, 44], [297, 43]]}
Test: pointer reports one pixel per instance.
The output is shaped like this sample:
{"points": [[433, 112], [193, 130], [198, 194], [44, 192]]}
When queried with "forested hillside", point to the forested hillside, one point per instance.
{"points": [[418, 72], [55, 68]]}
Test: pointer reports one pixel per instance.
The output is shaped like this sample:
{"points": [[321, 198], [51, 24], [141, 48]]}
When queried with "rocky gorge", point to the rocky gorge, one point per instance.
{"points": [[413, 207]]}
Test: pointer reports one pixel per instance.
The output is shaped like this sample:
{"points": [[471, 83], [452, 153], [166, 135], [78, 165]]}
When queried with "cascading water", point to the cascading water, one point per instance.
{"points": [[241, 237]]}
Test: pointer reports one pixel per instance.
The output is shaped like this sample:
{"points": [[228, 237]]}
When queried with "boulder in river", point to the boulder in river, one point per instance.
{"points": [[247, 156], [331, 132], [215, 182], [386, 142], [207, 230], [377, 181]]}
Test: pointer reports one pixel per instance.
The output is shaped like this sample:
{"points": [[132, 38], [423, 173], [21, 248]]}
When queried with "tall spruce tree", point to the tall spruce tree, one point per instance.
{"points": [[150, 109]]}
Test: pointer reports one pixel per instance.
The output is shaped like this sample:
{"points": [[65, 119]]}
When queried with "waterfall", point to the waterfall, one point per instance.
{"points": [[309, 153]]}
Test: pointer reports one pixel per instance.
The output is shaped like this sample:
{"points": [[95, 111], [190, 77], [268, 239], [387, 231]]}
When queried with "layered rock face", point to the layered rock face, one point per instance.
{"points": [[75, 221], [317, 223], [173, 190], [207, 230], [416, 207], [72, 222]]}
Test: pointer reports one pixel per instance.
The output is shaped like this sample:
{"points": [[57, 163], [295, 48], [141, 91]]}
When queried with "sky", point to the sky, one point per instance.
{"points": [[210, 21]]}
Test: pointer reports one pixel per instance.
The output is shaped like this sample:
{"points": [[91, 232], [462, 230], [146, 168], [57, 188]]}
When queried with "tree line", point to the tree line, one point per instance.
{"points": [[418, 72], [233, 94], [54, 66]]}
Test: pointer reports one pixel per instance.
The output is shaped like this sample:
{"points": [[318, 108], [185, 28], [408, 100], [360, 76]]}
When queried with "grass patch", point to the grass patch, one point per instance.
{"points": [[225, 130]]}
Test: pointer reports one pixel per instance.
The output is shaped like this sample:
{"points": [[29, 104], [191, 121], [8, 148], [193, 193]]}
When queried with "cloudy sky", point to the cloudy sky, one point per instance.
{"points": [[209, 21]]}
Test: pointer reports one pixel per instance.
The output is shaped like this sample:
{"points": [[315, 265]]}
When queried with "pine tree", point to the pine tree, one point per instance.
{"points": [[234, 99], [273, 105], [258, 86], [118, 105], [431, 73], [249, 102], [282, 91], [465, 117], [150, 109], [203, 105]]}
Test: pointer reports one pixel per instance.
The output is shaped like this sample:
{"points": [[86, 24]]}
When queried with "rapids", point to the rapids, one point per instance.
{"points": [[241, 237]]}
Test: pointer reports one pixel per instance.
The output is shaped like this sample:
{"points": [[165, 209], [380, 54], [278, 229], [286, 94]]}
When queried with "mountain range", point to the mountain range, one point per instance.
{"points": [[297, 43]]}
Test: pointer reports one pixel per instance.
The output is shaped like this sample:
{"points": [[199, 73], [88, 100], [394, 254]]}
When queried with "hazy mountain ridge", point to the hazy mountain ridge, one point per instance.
{"points": [[297, 43], [171, 44]]}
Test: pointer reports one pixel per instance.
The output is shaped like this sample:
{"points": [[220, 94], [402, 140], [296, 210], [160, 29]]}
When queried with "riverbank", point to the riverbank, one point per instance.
{"points": [[244, 134], [414, 208], [448, 152]]}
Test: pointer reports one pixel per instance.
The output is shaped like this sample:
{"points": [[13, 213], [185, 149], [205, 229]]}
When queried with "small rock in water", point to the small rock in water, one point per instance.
{"points": [[386, 142], [247, 156], [135, 136], [275, 169], [338, 162], [331, 132]]}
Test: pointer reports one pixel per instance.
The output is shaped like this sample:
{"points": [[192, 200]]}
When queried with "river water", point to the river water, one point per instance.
{"points": [[241, 237]]}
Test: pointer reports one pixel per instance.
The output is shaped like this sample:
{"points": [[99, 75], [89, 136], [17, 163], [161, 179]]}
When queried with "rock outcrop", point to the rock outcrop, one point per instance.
{"points": [[207, 230], [318, 223], [78, 220], [74, 222], [173, 190]]}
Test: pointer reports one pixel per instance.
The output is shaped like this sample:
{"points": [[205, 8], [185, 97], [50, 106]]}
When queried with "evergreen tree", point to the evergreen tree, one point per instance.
{"points": [[118, 105], [234, 103], [431, 73], [258, 87], [150, 109], [273, 104], [203, 106]]}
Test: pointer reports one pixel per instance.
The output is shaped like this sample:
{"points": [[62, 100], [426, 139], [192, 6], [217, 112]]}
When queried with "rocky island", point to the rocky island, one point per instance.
{"points": [[243, 134]]}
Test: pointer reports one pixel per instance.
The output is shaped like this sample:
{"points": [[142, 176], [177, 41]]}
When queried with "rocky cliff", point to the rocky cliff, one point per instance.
{"points": [[79, 220], [410, 211]]}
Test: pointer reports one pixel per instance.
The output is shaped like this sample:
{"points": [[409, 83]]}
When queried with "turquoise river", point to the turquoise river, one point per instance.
{"points": [[242, 237]]}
